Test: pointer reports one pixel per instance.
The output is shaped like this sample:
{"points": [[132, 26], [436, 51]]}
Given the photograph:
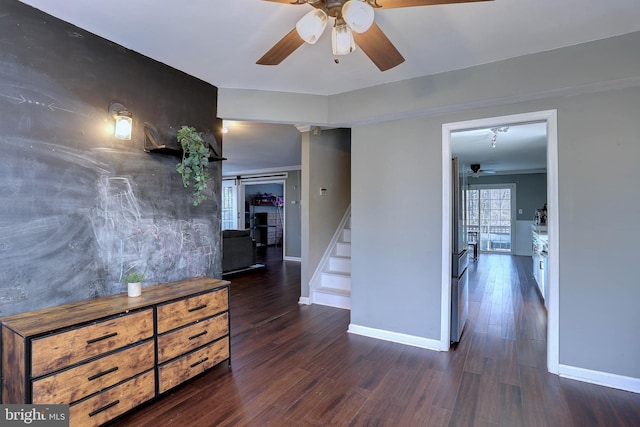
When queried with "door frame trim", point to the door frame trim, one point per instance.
{"points": [[553, 309]]}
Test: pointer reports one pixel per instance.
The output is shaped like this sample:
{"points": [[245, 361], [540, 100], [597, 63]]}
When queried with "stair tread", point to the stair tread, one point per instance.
{"points": [[336, 291], [334, 280], [337, 273]]}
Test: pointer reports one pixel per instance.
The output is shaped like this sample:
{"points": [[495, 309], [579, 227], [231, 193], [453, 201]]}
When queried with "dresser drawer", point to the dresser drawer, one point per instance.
{"points": [[180, 313], [60, 350], [188, 366], [110, 403], [73, 384], [181, 341]]}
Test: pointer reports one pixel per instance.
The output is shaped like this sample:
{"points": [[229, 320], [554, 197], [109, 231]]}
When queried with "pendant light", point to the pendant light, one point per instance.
{"points": [[311, 26], [342, 41], [358, 15]]}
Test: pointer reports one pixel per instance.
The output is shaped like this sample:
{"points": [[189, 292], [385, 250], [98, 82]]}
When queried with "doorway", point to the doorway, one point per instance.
{"points": [[549, 118], [229, 206], [263, 212], [491, 216]]}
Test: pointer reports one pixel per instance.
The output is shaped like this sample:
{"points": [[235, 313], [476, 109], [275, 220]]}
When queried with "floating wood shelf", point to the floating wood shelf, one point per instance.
{"points": [[152, 144]]}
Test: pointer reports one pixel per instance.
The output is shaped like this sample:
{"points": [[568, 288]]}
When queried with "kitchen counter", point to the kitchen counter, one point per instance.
{"points": [[540, 243]]}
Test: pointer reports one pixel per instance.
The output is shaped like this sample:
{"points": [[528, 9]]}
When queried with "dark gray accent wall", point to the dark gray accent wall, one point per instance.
{"points": [[78, 207], [531, 191]]}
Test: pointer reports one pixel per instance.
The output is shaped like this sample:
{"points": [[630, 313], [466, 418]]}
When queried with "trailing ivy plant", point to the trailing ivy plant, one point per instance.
{"points": [[195, 162]]}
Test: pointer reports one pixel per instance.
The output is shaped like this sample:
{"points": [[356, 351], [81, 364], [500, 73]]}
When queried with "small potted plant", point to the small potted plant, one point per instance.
{"points": [[133, 280], [195, 162]]}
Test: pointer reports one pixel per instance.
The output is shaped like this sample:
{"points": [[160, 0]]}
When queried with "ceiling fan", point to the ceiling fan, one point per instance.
{"points": [[353, 24], [476, 171]]}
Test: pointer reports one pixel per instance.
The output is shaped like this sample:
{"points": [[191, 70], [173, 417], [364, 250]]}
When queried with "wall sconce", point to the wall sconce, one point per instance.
{"points": [[124, 120]]}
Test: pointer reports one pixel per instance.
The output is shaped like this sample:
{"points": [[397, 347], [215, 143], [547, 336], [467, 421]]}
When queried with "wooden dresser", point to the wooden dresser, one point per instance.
{"points": [[107, 355]]}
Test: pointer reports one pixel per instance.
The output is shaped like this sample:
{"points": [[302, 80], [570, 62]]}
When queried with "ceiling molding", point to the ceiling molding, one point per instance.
{"points": [[303, 128], [261, 171]]}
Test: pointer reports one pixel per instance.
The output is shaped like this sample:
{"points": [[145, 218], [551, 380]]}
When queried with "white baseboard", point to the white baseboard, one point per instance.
{"points": [[304, 301], [600, 378], [292, 258], [396, 337]]}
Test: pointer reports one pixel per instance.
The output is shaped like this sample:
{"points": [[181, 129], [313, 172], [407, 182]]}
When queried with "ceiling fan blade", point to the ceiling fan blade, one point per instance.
{"points": [[288, 1], [394, 4], [318, 4], [375, 44], [285, 47]]}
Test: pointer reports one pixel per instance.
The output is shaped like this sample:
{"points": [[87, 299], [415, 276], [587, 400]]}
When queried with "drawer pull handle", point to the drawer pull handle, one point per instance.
{"points": [[102, 374], [198, 335], [200, 307], [104, 408], [94, 340], [193, 365]]}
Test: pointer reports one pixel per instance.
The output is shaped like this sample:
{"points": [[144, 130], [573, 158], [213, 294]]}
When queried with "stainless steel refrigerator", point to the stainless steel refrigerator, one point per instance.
{"points": [[459, 256]]}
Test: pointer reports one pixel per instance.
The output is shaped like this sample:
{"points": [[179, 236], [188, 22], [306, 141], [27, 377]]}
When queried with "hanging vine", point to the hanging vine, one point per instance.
{"points": [[195, 161]]}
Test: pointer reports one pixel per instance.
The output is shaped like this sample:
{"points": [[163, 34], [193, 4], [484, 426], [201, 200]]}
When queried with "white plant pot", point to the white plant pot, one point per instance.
{"points": [[134, 289]]}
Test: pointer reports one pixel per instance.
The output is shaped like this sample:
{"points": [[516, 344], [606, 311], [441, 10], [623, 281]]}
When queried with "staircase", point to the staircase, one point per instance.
{"points": [[331, 284]]}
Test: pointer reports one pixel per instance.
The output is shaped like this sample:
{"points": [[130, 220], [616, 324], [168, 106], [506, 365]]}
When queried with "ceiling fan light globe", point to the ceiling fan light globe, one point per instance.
{"points": [[358, 15], [342, 41], [311, 26]]}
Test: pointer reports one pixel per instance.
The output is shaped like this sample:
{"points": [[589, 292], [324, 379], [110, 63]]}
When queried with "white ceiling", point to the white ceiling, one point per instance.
{"points": [[521, 149], [219, 41], [251, 147]]}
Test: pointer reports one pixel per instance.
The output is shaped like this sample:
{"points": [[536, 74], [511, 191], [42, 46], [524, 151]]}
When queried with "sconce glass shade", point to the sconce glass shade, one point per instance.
{"points": [[123, 119], [311, 26], [342, 41], [358, 15], [124, 125]]}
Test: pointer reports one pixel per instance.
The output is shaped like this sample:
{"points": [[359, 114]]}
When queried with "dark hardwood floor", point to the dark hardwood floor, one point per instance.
{"points": [[296, 365]]}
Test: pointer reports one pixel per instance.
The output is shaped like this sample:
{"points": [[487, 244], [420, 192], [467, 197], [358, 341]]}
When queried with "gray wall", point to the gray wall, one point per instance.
{"points": [[253, 190], [531, 191], [397, 155], [326, 163], [80, 208], [293, 216], [598, 208], [396, 227]]}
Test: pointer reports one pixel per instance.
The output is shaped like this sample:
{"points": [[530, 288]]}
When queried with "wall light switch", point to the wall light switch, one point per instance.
{"points": [[519, 211], [323, 191]]}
